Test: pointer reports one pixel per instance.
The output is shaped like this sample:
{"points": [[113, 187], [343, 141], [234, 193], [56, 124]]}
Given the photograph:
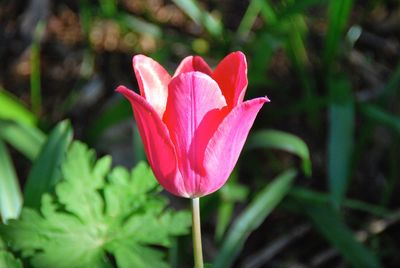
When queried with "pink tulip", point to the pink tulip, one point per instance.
{"points": [[195, 123]]}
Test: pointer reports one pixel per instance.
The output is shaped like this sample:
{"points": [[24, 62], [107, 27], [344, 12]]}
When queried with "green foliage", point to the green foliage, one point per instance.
{"points": [[331, 225], [10, 194], [276, 139], [25, 138], [7, 260], [251, 218], [13, 109], [340, 138], [45, 171], [97, 212]]}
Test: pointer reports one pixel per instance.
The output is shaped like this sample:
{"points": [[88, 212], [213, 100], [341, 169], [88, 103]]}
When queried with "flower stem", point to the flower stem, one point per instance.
{"points": [[196, 233]]}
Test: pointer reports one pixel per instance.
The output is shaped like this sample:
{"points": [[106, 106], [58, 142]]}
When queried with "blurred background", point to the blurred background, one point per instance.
{"points": [[330, 68]]}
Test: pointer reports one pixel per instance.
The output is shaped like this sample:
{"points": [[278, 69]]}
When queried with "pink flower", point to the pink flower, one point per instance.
{"points": [[193, 124]]}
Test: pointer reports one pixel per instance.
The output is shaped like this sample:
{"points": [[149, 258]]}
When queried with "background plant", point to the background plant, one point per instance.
{"points": [[330, 68]]}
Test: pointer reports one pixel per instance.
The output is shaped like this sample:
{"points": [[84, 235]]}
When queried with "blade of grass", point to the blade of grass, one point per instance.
{"points": [[306, 195], [200, 16], [231, 193], [290, 8], [26, 139], [45, 171], [36, 98], [139, 25], [12, 109], [338, 14], [330, 224], [253, 10], [10, 193], [252, 217], [276, 139], [340, 138], [381, 116]]}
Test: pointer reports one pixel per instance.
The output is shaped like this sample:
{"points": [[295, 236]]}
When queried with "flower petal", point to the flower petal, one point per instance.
{"points": [[231, 76], [157, 143], [223, 150], [193, 113], [153, 82], [193, 64]]}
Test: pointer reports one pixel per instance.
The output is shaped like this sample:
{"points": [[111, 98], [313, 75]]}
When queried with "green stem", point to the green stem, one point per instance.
{"points": [[196, 232]]}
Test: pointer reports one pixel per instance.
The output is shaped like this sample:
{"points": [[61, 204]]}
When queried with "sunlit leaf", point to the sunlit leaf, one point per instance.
{"points": [[25, 138], [276, 139], [10, 193], [12, 109]]}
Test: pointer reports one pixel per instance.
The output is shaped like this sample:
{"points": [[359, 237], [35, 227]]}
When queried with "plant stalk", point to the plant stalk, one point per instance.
{"points": [[196, 233]]}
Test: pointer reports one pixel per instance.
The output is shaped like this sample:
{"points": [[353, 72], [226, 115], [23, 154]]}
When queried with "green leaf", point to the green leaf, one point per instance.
{"points": [[340, 137], [35, 80], [331, 225], [276, 139], [251, 218], [306, 195], [139, 25], [338, 14], [256, 7], [200, 16], [26, 139], [231, 193], [97, 212], [7, 260], [45, 171], [381, 116], [13, 109], [10, 194]]}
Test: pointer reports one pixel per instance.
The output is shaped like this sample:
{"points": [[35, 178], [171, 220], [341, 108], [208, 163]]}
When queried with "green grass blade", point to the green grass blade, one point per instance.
{"points": [[10, 193], [12, 109], [306, 195], [381, 116], [251, 218], [338, 14], [26, 139], [200, 16], [36, 98], [330, 224], [256, 7], [139, 25], [340, 138], [45, 171], [276, 139]]}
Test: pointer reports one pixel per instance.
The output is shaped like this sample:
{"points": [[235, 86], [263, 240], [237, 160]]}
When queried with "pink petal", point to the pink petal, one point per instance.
{"points": [[193, 113], [192, 64], [153, 82], [231, 76], [157, 143], [223, 150]]}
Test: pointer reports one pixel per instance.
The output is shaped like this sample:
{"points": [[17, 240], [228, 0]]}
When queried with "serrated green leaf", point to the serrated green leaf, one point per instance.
{"points": [[10, 193], [13, 109], [252, 217], [45, 171], [25, 138], [276, 139], [7, 260], [81, 223]]}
